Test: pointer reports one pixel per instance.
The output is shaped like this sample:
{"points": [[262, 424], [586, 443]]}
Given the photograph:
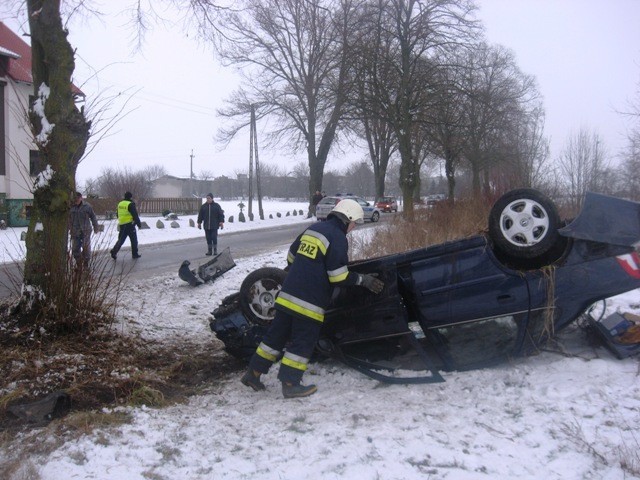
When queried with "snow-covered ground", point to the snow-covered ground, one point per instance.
{"points": [[553, 416]]}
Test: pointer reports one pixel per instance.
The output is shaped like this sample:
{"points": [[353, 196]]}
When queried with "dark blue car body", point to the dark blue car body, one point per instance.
{"points": [[461, 306]]}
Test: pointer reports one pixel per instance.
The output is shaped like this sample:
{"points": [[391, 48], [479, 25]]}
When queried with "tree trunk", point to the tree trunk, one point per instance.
{"points": [[408, 175], [61, 133]]}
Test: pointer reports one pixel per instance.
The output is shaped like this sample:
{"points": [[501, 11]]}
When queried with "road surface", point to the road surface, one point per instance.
{"points": [[163, 258]]}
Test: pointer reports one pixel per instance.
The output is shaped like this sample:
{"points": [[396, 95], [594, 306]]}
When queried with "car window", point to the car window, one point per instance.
{"points": [[327, 201]]}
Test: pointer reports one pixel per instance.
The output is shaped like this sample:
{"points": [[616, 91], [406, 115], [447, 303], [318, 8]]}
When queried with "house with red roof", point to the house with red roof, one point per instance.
{"points": [[19, 157], [18, 152]]}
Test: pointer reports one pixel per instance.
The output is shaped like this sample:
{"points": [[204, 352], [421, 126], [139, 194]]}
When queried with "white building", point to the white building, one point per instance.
{"points": [[18, 154]]}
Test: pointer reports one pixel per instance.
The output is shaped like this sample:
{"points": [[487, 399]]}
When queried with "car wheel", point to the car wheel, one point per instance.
{"points": [[375, 217], [258, 294], [523, 224]]}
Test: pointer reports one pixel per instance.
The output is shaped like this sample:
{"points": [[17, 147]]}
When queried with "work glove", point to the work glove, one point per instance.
{"points": [[371, 282]]}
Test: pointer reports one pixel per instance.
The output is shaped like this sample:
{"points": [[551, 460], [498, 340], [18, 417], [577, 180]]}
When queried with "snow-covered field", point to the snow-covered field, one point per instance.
{"points": [[554, 416]]}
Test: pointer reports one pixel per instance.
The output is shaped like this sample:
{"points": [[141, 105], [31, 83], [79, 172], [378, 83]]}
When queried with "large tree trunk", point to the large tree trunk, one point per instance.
{"points": [[408, 174], [61, 133]]}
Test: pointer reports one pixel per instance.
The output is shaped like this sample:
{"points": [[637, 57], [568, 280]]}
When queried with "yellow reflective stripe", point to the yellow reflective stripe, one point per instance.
{"points": [[319, 236], [297, 306], [338, 275], [317, 239], [299, 363], [310, 245], [264, 354], [290, 257]]}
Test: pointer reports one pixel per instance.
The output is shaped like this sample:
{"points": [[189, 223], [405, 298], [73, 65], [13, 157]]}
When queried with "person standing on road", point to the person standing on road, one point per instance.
{"points": [[211, 216], [127, 220], [314, 201], [82, 220], [317, 262]]}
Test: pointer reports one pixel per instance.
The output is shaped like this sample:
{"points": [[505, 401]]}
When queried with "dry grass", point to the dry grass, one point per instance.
{"points": [[71, 345], [441, 223]]}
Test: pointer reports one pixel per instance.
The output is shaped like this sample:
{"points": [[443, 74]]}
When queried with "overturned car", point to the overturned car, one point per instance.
{"points": [[466, 303]]}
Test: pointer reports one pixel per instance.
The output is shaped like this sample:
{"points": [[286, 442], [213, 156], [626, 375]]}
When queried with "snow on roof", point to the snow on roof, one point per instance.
{"points": [[8, 53], [19, 53]]}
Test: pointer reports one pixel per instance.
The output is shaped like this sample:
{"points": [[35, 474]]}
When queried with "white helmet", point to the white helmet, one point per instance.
{"points": [[351, 210]]}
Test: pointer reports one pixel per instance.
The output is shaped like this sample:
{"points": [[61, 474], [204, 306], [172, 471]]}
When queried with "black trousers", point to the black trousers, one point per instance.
{"points": [[127, 230], [299, 335], [212, 237]]}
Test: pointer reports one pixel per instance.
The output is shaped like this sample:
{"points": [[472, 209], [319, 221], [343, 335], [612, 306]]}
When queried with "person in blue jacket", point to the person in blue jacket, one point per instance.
{"points": [[211, 216], [317, 261]]}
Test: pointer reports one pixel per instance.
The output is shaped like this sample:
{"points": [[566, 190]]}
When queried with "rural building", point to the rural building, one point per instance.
{"points": [[19, 157]]}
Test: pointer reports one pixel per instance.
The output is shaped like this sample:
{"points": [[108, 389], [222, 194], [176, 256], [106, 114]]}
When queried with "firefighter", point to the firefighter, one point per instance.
{"points": [[317, 262]]}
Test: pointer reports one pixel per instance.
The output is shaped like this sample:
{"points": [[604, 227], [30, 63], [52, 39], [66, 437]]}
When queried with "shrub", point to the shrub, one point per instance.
{"points": [[440, 223]]}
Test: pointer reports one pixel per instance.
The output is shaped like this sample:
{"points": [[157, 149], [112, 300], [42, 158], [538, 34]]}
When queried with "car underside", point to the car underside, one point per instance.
{"points": [[467, 303]]}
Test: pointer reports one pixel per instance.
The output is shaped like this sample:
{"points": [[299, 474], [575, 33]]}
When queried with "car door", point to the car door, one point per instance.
{"points": [[462, 282], [368, 209]]}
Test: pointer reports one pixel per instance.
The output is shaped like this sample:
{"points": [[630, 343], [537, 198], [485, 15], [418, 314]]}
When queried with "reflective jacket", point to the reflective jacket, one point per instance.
{"points": [[127, 213], [318, 262]]}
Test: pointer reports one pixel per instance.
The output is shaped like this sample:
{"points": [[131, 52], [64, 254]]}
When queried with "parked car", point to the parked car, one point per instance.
{"points": [[325, 206], [387, 204], [465, 303], [434, 199]]}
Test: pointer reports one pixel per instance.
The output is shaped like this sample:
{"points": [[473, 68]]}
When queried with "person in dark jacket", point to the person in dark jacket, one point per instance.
{"points": [[314, 201], [127, 220], [211, 216], [82, 221], [317, 262]]}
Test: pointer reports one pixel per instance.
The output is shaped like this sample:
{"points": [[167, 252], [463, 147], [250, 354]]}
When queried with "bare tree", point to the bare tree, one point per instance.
{"points": [[113, 183], [631, 166], [498, 99], [580, 163], [365, 117], [359, 179], [153, 172], [294, 58], [61, 132], [412, 33], [205, 175]]}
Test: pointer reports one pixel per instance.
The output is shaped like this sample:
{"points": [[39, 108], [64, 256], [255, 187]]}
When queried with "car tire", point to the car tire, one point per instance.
{"points": [[375, 217], [523, 225], [258, 294]]}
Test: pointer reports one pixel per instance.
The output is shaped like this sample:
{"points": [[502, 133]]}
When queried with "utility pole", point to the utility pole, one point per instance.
{"points": [[191, 175], [253, 149]]}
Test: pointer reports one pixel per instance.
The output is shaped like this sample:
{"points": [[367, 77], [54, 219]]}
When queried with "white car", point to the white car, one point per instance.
{"points": [[327, 203]]}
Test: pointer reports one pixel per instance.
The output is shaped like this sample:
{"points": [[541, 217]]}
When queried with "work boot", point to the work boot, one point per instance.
{"points": [[290, 390], [136, 256], [114, 255], [215, 250], [252, 379], [208, 251]]}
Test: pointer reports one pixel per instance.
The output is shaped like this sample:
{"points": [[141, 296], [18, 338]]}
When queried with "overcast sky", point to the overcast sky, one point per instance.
{"points": [[585, 55]]}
